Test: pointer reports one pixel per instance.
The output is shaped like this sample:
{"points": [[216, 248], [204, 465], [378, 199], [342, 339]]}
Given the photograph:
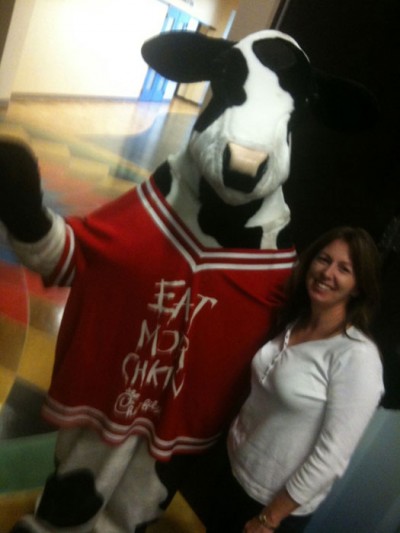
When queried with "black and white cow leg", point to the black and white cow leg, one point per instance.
{"points": [[98, 488]]}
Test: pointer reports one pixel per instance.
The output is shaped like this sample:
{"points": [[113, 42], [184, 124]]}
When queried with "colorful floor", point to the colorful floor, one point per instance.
{"points": [[78, 175]]}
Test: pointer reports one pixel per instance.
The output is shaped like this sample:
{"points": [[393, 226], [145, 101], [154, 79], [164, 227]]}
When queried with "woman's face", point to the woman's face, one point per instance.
{"points": [[330, 279]]}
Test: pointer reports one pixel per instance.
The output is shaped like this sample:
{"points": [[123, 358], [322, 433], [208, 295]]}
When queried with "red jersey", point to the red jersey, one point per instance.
{"points": [[158, 331]]}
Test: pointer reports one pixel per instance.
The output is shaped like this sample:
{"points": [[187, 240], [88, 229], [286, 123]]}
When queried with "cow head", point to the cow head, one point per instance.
{"points": [[241, 141], [260, 86]]}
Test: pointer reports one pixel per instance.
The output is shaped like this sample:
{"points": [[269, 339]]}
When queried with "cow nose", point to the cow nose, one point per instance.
{"points": [[243, 167], [245, 160]]}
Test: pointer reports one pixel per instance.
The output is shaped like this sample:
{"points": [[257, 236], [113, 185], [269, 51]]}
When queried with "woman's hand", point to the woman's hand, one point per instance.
{"points": [[254, 526], [272, 515]]}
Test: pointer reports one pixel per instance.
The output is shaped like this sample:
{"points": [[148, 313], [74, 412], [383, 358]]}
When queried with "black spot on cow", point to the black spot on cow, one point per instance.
{"points": [[70, 500], [226, 222], [163, 179]]}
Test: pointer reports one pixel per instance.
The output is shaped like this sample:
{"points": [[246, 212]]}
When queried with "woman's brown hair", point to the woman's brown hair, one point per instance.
{"points": [[366, 267]]}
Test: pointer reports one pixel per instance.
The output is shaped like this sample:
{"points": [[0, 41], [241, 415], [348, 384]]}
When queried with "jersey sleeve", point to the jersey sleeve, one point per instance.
{"points": [[52, 256], [355, 388]]}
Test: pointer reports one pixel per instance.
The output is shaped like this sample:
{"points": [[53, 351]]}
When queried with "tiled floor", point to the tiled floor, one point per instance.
{"points": [[78, 176]]}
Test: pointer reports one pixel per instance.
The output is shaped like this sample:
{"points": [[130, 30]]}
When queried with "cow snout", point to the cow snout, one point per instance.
{"points": [[243, 167]]}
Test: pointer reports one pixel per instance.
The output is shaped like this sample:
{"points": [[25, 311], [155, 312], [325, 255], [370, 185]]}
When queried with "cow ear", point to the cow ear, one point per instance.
{"points": [[183, 56], [342, 104]]}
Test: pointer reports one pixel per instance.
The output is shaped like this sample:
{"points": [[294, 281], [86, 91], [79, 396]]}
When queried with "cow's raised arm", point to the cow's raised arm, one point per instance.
{"points": [[37, 235]]}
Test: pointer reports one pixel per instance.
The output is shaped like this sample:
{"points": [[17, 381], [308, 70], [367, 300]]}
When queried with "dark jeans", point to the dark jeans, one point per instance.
{"points": [[232, 508]]}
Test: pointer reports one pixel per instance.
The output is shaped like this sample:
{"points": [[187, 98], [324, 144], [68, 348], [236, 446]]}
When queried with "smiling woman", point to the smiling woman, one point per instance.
{"points": [[316, 384]]}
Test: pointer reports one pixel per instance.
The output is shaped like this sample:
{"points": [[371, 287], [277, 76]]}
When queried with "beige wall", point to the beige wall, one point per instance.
{"points": [[92, 47], [13, 29], [87, 47], [6, 9], [212, 13], [253, 15]]}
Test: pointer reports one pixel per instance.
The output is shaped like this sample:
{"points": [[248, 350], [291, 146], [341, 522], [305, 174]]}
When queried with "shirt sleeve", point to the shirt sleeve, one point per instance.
{"points": [[51, 256], [354, 390]]}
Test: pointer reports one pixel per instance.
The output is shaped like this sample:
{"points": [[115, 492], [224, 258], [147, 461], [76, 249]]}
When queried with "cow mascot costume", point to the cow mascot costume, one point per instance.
{"points": [[174, 285]]}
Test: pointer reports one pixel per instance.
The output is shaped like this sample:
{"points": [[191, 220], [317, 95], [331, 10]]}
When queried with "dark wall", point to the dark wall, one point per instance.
{"points": [[340, 178], [352, 178], [6, 10]]}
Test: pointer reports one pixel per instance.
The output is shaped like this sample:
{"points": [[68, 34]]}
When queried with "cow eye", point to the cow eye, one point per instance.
{"points": [[290, 65], [229, 74], [275, 54]]}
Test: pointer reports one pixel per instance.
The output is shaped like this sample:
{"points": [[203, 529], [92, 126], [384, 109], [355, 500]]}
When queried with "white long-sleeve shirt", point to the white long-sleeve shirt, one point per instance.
{"points": [[308, 407]]}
